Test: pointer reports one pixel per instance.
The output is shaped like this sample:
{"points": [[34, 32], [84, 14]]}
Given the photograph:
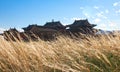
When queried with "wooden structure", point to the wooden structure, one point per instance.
{"points": [[81, 26], [50, 30], [42, 32], [55, 25]]}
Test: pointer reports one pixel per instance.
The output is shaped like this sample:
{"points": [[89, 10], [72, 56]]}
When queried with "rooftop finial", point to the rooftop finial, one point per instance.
{"points": [[52, 20]]}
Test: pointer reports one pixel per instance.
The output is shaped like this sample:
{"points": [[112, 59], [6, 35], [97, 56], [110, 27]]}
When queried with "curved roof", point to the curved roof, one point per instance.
{"points": [[53, 24], [81, 23]]}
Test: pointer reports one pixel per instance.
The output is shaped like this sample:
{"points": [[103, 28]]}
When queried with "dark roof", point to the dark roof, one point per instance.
{"points": [[36, 27], [29, 27], [43, 29], [12, 30], [53, 24], [81, 23]]}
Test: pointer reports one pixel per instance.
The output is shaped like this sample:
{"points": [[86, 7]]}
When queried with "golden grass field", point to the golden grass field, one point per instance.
{"points": [[92, 54]]}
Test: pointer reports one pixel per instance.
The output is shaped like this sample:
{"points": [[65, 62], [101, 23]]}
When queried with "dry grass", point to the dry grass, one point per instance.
{"points": [[63, 55]]}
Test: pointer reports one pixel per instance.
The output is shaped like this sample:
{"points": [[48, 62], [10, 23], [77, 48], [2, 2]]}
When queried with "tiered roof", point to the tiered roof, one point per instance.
{"points": [[81, 23], [54, 25]]}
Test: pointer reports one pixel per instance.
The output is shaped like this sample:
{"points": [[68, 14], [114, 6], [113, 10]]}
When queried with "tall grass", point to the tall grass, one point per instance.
{"points": [[92, 54]]}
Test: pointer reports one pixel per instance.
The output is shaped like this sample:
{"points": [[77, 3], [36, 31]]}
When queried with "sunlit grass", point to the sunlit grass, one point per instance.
{"points": [[93, 54]]}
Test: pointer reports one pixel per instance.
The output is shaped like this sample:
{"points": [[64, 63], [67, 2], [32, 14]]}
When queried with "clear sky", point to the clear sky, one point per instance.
{"points": [[21, 13]]}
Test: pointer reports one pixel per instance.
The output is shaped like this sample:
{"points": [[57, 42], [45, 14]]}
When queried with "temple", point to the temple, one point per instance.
{"points": [[82, 26], [42, 32], [51, 29], [55, 25]]}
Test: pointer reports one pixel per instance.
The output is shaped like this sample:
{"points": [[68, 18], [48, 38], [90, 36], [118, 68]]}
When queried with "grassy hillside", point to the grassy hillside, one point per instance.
{"points": [[63, 55]]}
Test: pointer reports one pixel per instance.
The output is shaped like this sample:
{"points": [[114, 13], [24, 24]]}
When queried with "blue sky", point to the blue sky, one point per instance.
{"points": [[21, 13]]}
